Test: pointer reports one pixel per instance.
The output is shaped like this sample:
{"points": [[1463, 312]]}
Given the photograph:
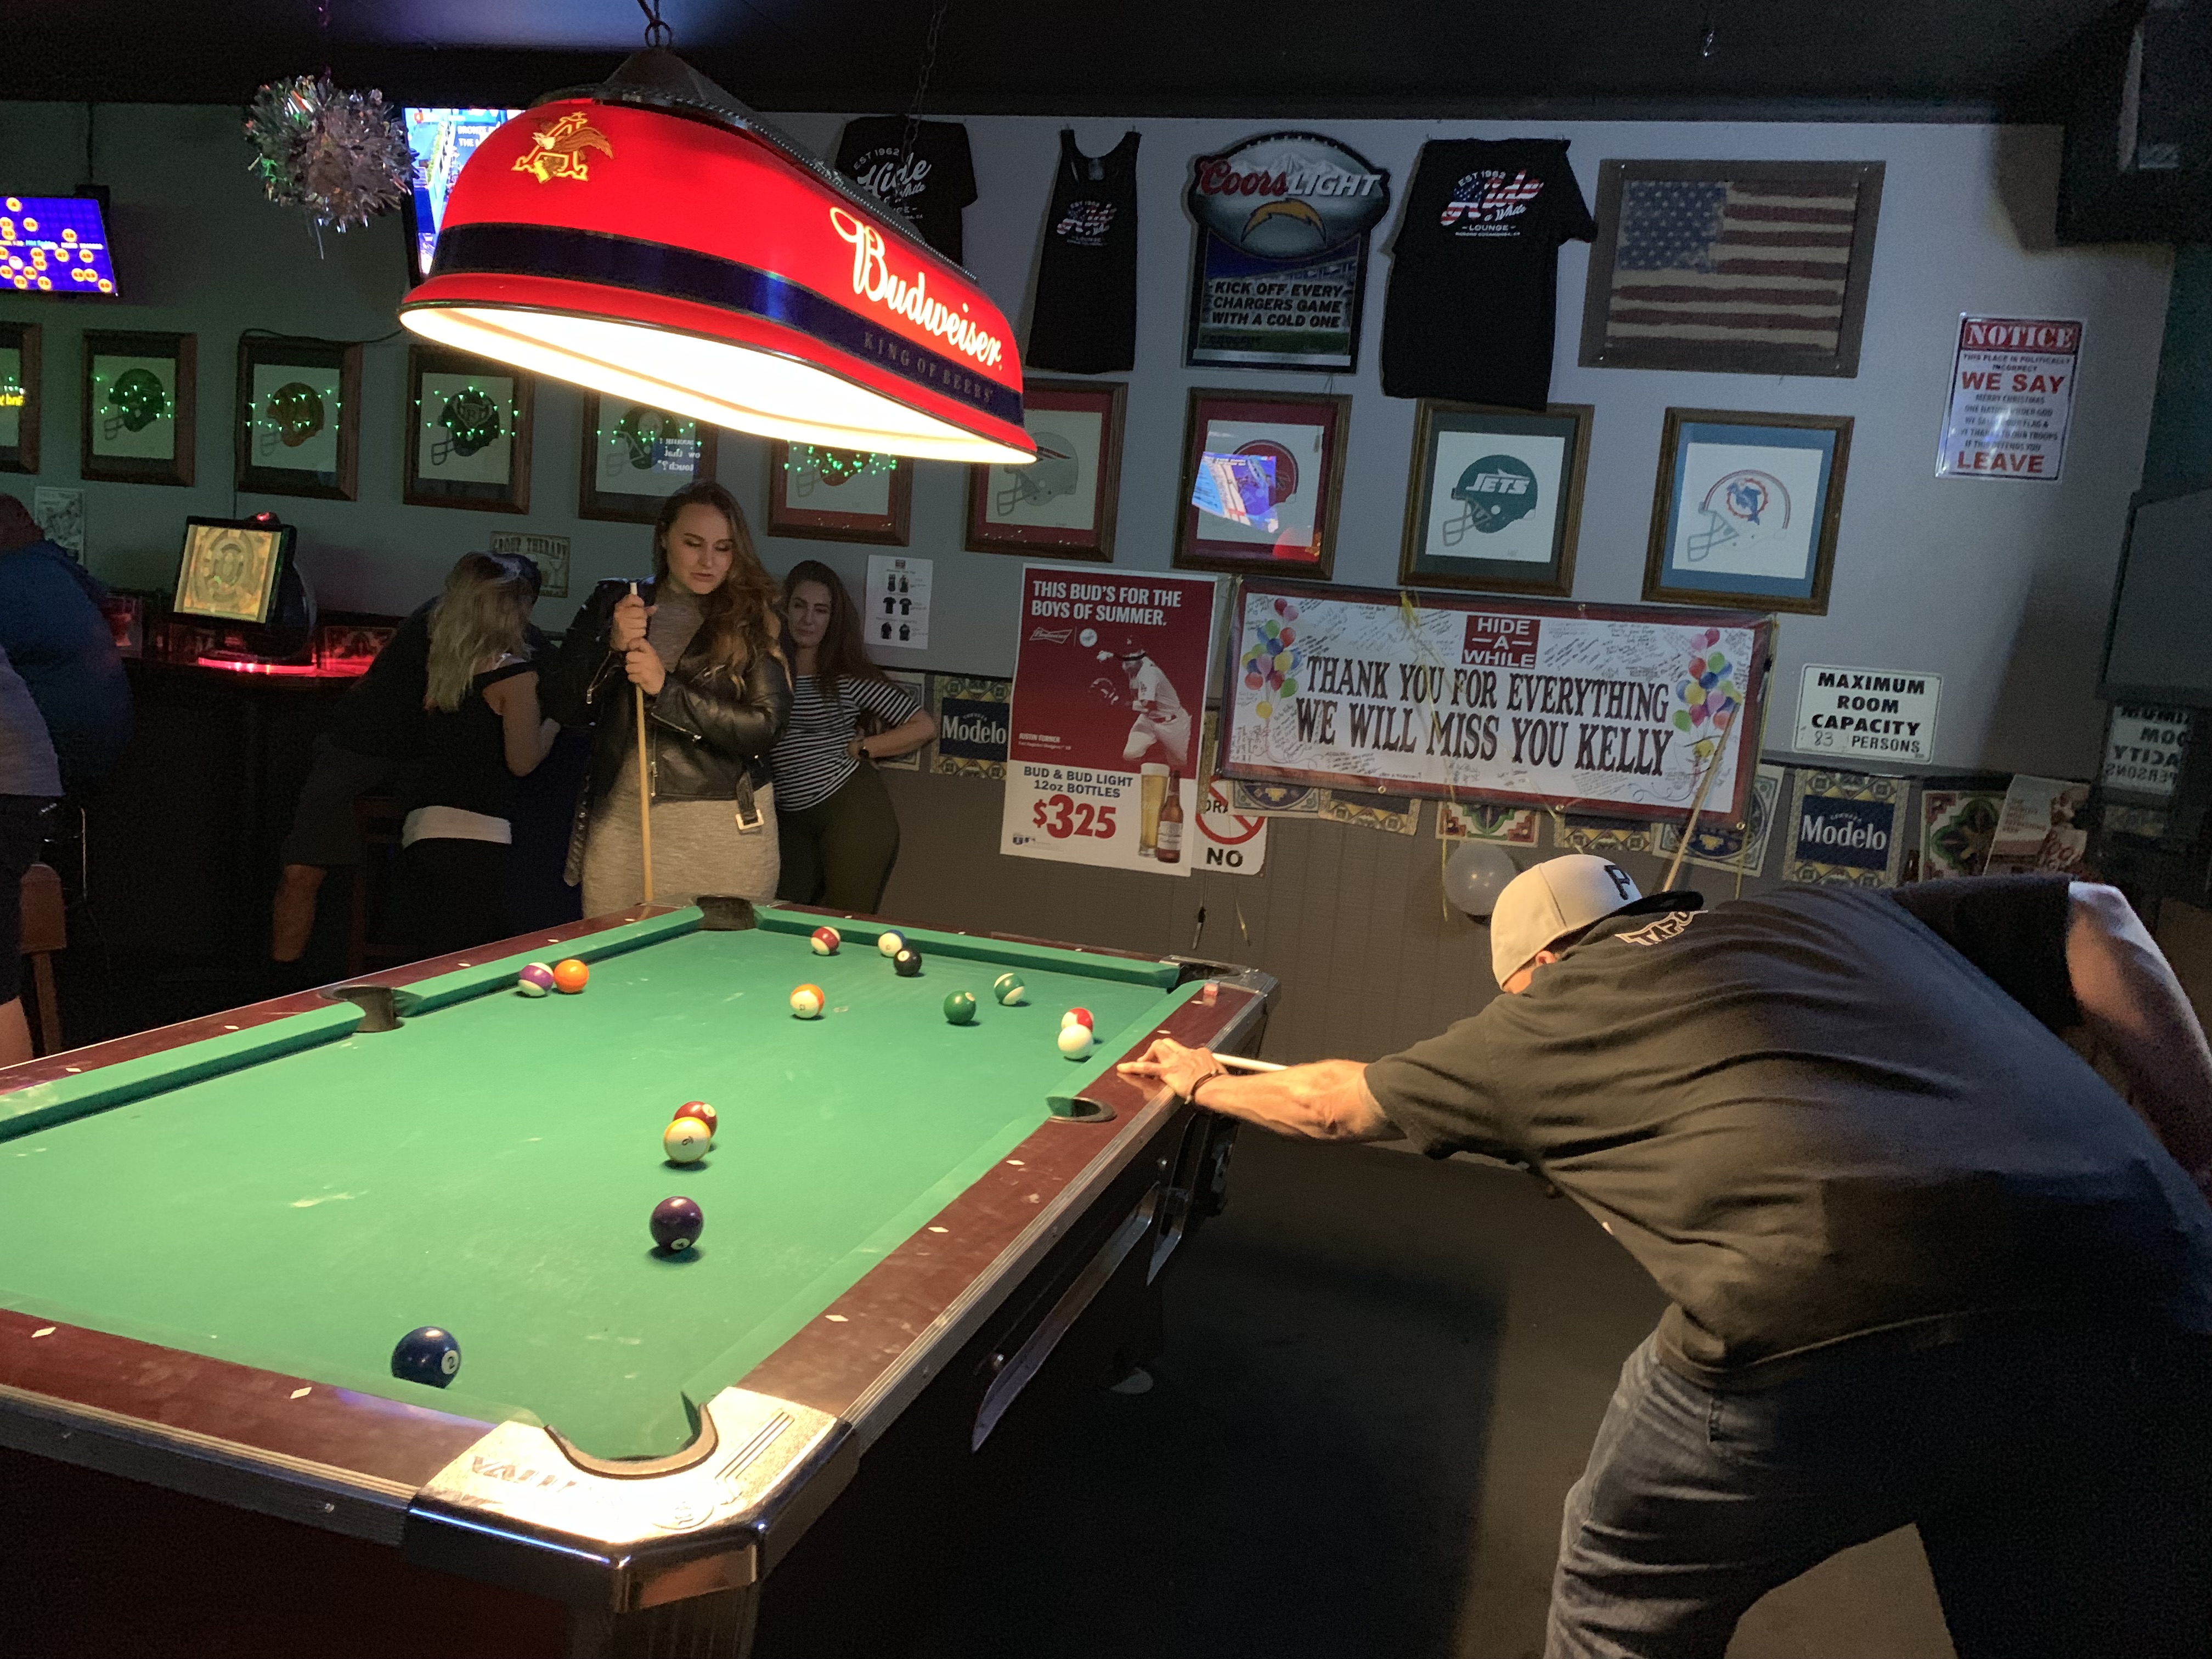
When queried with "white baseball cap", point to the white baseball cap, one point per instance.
{"points": [[1562, 895]]}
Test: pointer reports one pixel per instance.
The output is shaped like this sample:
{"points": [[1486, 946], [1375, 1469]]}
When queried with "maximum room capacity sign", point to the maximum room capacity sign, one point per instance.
{"points": [[2012, 398], [1868, 714]]}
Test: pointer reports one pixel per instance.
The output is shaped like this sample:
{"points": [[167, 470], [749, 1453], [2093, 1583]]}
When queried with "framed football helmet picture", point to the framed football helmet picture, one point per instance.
{"points": [[635, 457], [1063, 502], [469, 431], [297, 428], [825, 494], [1494, 500], [139, 401]]}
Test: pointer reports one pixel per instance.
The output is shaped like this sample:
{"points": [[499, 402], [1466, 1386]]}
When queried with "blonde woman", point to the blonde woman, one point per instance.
{"points": [[481, 729], [703, 648]]}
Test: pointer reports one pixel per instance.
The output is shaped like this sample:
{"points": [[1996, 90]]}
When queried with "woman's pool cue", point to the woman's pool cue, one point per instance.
{"points": [[644, 780]]}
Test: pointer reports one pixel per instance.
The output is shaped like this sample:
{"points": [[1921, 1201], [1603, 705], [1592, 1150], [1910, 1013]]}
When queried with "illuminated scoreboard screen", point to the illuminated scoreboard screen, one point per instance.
{"points": [[55, 245], [442, 139]]}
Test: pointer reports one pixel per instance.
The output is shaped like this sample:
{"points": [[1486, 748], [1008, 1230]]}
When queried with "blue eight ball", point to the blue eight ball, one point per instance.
{"points": [[427, 1355]]}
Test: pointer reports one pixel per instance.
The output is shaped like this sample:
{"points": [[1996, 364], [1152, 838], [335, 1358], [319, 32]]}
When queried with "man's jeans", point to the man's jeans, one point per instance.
{"points": [[2059, 1481]]}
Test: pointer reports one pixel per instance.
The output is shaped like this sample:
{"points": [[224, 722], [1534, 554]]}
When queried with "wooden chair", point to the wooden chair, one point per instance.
{"points": [[45, 929]]}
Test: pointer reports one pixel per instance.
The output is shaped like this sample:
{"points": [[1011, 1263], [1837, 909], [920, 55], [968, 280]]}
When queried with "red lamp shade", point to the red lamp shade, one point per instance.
{"points": [[652, 240]]}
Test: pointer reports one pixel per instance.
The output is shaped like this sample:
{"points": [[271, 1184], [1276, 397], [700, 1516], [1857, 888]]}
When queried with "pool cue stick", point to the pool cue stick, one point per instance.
{"points": [[1238, 1063], [644, 780], [1690, 828]]}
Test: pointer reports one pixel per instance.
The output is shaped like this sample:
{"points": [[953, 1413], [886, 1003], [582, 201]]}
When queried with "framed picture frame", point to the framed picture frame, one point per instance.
{"points": [[1494, 500], [1731, 267], [298, 423], [137, 414], [19, 396], [635, 457], [1062, 503], [1263, 472], [839, 494], [1745, 509], [469, 431]]}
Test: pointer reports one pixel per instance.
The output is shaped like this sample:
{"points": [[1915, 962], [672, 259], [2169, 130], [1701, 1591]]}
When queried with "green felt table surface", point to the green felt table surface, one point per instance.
{"points": [[299, 1196]]}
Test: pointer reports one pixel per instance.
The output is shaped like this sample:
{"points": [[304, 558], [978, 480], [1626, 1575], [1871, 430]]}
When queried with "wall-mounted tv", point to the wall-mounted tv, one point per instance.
{"points": [[442, 139], [56, 244]]}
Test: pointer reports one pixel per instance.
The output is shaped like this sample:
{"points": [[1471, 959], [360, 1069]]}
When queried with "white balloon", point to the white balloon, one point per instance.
{"points": [[1475, 874]]}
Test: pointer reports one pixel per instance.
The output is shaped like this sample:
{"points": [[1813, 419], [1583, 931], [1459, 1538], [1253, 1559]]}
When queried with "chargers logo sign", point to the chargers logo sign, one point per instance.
{"points": [[1486, 203]]}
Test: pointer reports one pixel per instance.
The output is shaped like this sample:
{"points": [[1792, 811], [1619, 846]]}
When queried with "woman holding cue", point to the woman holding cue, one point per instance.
{"points": [[698, 669], [839, 833]]}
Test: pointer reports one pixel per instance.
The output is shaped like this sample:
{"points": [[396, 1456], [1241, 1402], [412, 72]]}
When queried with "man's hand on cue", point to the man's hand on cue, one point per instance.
{"points": [[1326, 1101]]}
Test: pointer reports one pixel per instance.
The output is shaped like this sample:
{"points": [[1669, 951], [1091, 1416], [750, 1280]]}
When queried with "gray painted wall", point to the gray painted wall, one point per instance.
{"points": [[2000, 588]]}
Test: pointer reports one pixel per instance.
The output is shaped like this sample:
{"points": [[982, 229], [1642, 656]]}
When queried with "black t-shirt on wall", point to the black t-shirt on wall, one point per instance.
{"points": [[1826, 1113], [1474, 276], [927, 188]]}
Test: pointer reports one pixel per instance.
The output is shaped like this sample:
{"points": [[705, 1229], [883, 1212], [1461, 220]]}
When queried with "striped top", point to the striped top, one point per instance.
{"points": [[810, 759]]}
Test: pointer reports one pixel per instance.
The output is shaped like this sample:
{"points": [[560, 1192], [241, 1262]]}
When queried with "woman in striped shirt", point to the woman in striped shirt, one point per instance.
{"points": [[840, 836]]}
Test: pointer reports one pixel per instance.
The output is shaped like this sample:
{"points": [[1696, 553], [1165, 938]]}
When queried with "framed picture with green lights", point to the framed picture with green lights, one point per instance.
{"points": [[299, 416], [635, 457], [468, 433], [19, 396], [1495, 500], [137, 408], [839, 494]]}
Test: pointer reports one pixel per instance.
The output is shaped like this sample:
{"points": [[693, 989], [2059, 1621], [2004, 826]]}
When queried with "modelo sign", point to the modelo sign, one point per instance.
{"points": [[1833, 830], [1282, 252]]}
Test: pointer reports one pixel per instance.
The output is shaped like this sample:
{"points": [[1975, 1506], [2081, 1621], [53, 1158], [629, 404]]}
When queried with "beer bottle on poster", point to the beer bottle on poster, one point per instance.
{"points": [[1168, 849]]}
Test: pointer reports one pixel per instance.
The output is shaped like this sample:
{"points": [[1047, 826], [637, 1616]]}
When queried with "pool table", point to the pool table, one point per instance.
{"points": [[211, 1237]]}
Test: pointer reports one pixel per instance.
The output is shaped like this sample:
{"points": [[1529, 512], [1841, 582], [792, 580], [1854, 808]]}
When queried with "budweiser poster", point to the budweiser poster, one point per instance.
{"points": [[1281, 262], [1110, 691]]}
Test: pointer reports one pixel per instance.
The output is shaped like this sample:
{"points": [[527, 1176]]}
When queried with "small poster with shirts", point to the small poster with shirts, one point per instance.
{"points": [[896, 614]]}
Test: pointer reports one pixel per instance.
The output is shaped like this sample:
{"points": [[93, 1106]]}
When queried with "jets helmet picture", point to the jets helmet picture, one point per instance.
{"points": [[1492, 493]]}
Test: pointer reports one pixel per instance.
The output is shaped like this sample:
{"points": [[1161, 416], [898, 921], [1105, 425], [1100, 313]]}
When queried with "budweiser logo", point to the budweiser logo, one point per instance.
{"points": [[874, 281]]}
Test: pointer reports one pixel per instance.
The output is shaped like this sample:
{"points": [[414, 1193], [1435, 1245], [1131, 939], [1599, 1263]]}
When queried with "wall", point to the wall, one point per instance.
{"points": [[2001, 587]]}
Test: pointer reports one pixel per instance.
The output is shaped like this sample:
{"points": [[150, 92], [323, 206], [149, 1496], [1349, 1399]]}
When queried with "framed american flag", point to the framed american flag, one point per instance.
{"points": [[1731, 267]]}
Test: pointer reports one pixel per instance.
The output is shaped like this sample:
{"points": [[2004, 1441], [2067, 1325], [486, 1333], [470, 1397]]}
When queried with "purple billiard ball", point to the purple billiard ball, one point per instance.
{"points": [[676, 1225], [427, 1355], [535, 981]]}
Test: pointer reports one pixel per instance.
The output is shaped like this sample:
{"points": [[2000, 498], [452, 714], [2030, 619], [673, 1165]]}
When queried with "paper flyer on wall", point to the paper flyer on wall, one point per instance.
{"points": [[1109, 689], [2012, 398]]}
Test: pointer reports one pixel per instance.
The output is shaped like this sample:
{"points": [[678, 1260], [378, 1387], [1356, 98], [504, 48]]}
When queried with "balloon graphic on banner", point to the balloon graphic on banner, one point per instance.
{"points": [[1270, 664], [1706, 696]]}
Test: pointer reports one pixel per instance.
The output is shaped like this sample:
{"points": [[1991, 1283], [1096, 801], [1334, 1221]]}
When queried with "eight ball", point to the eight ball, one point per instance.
{"points": [[907, 963], [427, 1355], [676, 1225]]}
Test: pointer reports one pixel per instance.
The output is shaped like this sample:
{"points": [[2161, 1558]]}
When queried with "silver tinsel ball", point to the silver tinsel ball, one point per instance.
{"points": [[341, 157]]}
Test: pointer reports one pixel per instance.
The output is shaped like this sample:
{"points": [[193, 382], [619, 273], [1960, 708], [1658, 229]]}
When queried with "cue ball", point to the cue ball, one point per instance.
{"points": [[891, 942], [704, 1112], [676, 1223], [825, 941], [685, 1140], [1009, 989], [960, 1008], [535, 981], [427, 1355], [907, 964], [1075, 1039], [1079, 1017], [806, 1001], [570, 976]]}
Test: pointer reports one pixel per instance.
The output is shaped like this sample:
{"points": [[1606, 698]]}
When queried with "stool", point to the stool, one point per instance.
{"points": [[45, 929]]}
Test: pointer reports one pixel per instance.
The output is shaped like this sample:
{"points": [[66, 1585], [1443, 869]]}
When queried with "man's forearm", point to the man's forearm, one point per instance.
{"points": [[1328, 1100], [2141, 1018]]}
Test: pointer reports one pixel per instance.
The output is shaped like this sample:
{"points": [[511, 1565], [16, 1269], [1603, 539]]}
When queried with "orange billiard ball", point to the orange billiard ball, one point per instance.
{"points": [[570, 976]]}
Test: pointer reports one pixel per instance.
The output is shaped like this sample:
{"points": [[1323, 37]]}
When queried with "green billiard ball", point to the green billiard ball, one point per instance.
{"points": [[1009, 989], [960, 1008]]}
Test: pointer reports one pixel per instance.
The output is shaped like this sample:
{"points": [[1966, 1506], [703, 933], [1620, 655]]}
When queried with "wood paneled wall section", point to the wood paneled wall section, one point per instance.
{"points": [[1351, 920]]}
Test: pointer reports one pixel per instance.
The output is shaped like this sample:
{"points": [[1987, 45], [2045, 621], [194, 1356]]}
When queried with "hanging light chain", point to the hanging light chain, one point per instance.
{"points": [[920, 84], [657, 31]]}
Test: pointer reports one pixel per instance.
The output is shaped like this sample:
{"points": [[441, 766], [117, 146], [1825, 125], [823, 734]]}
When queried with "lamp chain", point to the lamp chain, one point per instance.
{"points": [[922, 83], [657, 31]]}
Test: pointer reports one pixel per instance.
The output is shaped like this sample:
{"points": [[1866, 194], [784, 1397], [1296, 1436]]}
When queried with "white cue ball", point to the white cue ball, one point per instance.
{"points": [[1075, 1039]]}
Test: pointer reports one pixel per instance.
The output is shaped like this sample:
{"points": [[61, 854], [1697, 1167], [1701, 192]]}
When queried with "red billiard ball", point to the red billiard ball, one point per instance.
{"points": [[825, 941], [570, 976], [1079, 1017], [702, 1111]]}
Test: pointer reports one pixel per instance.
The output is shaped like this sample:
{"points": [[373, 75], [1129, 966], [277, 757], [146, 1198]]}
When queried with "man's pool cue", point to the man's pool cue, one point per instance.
{"points": [[644, 780], [1238, 1063]]}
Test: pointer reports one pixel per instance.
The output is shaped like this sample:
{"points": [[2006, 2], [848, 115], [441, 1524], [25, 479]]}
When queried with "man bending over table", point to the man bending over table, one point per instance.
{"points": [[1925, 1266]]}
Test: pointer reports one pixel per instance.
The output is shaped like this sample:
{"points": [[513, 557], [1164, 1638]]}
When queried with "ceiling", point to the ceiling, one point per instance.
{"points": [[1838, 59]]}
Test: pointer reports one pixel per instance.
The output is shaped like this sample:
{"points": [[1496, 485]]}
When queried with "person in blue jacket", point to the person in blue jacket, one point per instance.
{"points": [[54, 632]]}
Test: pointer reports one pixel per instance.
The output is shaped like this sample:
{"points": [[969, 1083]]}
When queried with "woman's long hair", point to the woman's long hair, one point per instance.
{"points": [[738, 619], [480, 619], [841, 653]]}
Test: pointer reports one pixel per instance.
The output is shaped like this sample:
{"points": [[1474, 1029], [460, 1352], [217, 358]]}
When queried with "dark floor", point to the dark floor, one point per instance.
{"points": [[1382, 1375]]}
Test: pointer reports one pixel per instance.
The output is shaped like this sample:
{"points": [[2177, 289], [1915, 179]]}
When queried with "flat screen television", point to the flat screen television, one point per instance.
{"points": [[442, 139], [56, 244], [2159, 648], [241, 574]]}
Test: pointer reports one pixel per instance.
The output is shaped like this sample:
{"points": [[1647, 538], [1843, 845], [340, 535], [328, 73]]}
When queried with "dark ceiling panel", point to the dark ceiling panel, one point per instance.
{"points": [[1297, 57]]}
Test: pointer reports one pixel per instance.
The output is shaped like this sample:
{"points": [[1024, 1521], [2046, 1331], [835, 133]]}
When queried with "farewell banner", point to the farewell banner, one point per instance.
{"points": [[1430, 694]]}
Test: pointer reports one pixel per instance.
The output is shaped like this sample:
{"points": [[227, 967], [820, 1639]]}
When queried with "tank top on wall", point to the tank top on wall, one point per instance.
{"points": [[1084, 321]]}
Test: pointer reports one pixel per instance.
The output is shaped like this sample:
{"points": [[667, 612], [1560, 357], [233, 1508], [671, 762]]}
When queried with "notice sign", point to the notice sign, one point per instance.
{"points": [[2143, 751], [1613, 708], [2012, 396], [1868, 714]]}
